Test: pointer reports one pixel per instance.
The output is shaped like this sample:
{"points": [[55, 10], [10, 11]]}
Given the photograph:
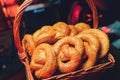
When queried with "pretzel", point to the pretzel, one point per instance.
{"points": [[91, 49], [28, 44], [68, 59], [43, 61], [82, 26], [45, 34], [103, 39], [76, 45], [62, 30], [92, 57]]}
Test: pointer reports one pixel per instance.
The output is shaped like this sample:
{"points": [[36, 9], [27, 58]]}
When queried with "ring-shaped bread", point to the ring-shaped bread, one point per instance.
{"points": [[43, 61], [62, 30], [92, 46], [82, 26], [68, 59], [103, 39], [45, 34], [28, 44], [73, 44]]}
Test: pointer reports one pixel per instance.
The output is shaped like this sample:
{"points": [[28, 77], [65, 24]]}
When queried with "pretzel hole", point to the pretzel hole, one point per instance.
{"points": [[65, 61]]}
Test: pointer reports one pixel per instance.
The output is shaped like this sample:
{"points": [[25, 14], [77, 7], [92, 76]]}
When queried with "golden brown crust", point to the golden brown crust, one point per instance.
{"points": [[90, 39], [82, 26], [43, 61], [71, 43], [68, 59], [73, 30], [28, 44], [103, 39], [91, 49], [62, 30], [45, 34], [71, 40]]}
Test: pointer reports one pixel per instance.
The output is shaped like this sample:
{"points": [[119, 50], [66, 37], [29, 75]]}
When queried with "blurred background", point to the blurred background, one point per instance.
{"points": [[48, 12]]}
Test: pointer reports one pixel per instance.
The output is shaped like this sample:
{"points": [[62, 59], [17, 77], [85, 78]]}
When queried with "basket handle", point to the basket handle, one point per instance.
{"points": [[21, 52], [94, 13]]}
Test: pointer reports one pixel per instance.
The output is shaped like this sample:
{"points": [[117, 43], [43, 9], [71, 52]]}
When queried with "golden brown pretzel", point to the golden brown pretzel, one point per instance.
{"points": [[28, 44], [73, 30], [92, 57], [75, 45], [43, 61], [82, 26], [91, 48], [62, 30], [68, 59], [45, 34], [103, 39], [71, 40]]}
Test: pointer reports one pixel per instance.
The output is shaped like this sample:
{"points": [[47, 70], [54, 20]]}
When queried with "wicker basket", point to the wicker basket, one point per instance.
{"points": [[93, 73]]}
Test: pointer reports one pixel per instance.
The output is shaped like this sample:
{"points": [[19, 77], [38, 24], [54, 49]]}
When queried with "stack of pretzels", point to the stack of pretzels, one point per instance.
{"points": [[64, 48]]}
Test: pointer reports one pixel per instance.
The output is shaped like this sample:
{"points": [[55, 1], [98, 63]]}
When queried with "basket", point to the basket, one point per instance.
{"points": [[93, 73]]}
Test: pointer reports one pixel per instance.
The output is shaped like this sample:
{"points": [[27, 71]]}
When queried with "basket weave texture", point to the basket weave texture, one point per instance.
{"points": [[93, 73]]}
